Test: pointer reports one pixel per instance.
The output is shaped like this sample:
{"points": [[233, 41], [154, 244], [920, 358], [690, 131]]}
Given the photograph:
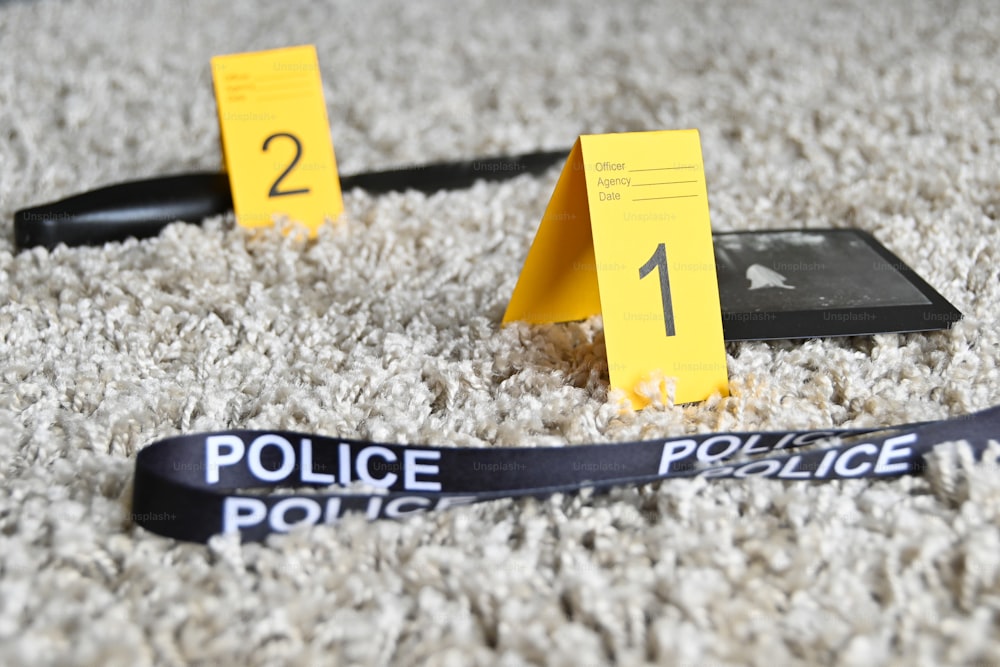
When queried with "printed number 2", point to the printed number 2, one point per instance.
{"points": [[659, 261], [274, 191]]}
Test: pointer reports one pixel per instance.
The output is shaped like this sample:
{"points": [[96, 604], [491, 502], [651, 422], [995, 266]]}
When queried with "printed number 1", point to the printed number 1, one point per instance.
{"points": [[274, 191], [659, 261]]}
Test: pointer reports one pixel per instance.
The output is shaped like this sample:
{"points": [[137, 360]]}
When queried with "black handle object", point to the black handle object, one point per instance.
{"points": [[453, 175], [116, 212], [141, 209]]}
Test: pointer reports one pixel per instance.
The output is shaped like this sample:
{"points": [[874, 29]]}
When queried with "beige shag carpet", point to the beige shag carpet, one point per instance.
{"points": [[882, 116]]}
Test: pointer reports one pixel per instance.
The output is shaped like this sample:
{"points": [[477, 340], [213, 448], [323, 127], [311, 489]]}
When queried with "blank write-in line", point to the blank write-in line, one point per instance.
{"points": [[642, 185], [279, 98], [687, 166], [673, 197], [287, 90], [290, 74]]}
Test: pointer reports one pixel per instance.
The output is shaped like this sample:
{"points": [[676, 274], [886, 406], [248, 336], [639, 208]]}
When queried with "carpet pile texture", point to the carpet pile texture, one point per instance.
{"points": [[884, 117]]}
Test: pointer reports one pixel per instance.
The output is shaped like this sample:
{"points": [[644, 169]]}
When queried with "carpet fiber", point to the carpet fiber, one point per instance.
{"points": [[883, 117]]}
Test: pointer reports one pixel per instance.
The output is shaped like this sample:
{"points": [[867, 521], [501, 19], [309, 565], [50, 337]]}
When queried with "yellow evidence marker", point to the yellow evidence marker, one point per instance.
{"points": [[276, 138], [627, 234]]}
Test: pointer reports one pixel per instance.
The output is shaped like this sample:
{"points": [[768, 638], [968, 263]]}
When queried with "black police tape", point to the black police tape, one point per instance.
{"points": [[191, 487]]}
